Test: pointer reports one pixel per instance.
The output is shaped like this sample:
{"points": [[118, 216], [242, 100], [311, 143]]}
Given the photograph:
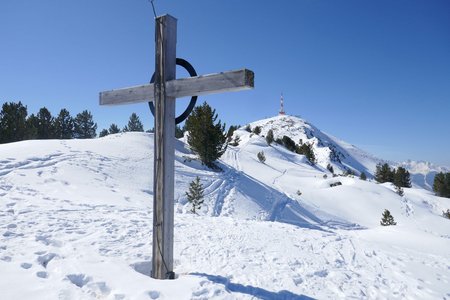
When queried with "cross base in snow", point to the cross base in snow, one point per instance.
{"points": [[163, 93]]}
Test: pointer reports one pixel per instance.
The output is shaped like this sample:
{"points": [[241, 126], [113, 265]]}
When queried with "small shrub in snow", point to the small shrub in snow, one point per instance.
{"points": [[279, 141], [399, 190], [446, 214], [349, 172], [387, 219], [337, 183], [261, 156], [363, 176], [329, 168], [195, 194], [257, 130], [299, 193], [325, 176], [248, 128]]}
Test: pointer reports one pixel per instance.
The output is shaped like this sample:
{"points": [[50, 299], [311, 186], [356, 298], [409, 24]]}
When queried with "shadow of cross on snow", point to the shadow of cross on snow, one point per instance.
{"points": [[251, 290]]}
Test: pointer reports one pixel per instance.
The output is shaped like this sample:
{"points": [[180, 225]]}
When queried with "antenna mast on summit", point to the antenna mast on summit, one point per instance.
{"points": [[282, 105]]}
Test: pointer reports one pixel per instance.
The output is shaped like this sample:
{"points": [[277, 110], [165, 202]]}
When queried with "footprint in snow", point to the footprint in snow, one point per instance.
{"points": [[79, 280], [153, 294], [6, 258], [43, 260], [42, 274], [26, 265]]}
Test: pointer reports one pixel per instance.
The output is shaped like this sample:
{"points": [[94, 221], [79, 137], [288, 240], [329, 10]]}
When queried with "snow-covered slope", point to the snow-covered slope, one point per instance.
{"points": [[76, 215], [327, 149]]}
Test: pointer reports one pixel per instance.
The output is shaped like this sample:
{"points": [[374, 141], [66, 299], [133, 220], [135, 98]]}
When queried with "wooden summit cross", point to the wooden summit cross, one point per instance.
{"points": [[163, 93]]}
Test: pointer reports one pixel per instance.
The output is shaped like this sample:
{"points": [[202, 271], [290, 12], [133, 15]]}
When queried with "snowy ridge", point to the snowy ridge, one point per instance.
{"points": [[76, 215], [327, 149]]}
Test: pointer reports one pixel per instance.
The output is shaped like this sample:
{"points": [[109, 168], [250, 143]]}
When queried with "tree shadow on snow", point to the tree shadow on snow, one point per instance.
{"points": [[251, 290]]}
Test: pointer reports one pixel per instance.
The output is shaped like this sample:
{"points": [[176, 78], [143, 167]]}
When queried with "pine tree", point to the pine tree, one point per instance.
{"points": [[179, 132], [64, 125], [113, 129], [248, 128], [269, 137], [288, 143], [441, 184], [195, 194], [257, 130], [85, 128], [103, 133], [384, 173], [306, 150], [134, 124], [236, 141], [445, 188], [45, 124], [261, 157], [206, 137], [13, 124], [363, 176], [402, 177], [387, 219], [32, 124], [231, 131]]}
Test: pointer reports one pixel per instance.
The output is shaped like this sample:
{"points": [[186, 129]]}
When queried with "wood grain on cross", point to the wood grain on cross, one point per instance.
{"points": [[163, 93]]}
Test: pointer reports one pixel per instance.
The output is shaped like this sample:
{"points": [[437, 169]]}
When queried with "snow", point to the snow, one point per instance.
{"points": [[76, 223]]}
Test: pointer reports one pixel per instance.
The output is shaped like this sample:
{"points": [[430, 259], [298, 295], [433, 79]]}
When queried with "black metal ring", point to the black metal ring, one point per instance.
{"points": [[185, 64]]}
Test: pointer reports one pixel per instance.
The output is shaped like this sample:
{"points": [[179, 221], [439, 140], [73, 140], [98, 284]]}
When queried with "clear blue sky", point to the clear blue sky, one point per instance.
{"points": [[373, 73]]}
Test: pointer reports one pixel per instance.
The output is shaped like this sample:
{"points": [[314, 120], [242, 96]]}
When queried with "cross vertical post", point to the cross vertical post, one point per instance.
{"points": [[164, 170], [163, 92]]}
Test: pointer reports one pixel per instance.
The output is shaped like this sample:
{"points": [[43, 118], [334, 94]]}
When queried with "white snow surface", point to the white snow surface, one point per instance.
{"points": [[76, 223]]}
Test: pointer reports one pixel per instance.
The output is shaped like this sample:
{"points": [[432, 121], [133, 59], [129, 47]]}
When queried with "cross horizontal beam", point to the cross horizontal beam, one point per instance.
{"points": [[230, 81]]}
